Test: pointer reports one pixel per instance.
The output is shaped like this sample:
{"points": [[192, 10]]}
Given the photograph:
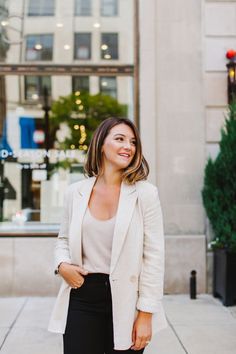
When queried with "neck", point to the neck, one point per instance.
{"points": [[110, 178]]}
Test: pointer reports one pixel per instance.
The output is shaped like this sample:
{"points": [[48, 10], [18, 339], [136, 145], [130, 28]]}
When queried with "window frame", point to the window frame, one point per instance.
{"points": [[82, 14], [102, 6], [41, 10], [80, 89], [40, 41], [116, 87], [39, 87], [107, 51], [77, 34]]}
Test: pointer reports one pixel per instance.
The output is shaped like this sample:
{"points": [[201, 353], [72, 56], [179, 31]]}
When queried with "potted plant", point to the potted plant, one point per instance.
{"points": [[219, 199]]}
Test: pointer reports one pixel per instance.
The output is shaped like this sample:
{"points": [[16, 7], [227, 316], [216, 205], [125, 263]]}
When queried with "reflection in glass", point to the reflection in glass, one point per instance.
{"points": [[81, 32], [39, 47], [82, 48], [109, 46], [109, 8], [34, 86], [41, 8], [80, 83], [83, 8], [108, 86]]}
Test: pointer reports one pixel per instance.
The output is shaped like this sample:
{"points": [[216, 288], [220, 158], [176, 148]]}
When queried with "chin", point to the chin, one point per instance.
{"points": [[123, 167]]}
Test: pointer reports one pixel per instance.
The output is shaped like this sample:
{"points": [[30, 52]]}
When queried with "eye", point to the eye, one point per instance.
{"points": [[119, 138], [134, 142]]}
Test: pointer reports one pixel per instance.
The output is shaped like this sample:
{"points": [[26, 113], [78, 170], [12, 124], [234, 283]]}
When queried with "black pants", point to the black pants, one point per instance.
{"points": [[89, 328]]}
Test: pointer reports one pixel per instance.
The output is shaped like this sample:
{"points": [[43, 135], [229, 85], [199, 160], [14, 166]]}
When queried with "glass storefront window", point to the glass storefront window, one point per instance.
{"points": [[39, 47], [83, 8], [34, 86], [82, 46], [41, 8], [109, 46], [109, 7], [69, 55]]}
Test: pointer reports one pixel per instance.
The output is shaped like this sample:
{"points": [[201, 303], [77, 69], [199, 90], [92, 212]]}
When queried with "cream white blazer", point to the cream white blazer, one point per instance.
{"points": [[137, 260]]}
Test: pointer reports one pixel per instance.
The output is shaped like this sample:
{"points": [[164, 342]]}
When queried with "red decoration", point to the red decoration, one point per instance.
{"points": [[231, 53]]}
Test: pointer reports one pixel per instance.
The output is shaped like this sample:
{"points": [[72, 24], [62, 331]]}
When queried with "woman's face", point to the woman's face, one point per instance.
{"points": [[119, 147]]}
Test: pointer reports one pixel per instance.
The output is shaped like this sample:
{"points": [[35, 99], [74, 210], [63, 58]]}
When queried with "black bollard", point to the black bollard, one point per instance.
{"points": [[193, 284]]}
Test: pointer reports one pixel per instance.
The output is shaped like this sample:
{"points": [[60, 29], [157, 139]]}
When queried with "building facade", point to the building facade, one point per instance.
{"points": [[184, 90], [182, 81]]}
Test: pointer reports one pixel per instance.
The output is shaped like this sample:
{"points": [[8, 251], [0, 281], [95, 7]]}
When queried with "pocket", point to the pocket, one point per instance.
{"points": [[75, 292]]}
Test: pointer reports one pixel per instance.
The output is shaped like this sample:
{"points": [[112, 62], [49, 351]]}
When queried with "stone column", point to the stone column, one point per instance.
{"points": [[172, 128]]}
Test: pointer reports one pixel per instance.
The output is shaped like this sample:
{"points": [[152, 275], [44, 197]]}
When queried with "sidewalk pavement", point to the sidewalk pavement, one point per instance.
{"points": [[201, 326]]}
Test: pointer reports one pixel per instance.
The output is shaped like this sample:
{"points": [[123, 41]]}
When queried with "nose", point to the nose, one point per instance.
{"points": [[127, 145]]}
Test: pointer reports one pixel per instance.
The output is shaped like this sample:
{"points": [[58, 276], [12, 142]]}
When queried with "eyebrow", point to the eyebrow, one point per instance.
{"points": [[123, 135]]}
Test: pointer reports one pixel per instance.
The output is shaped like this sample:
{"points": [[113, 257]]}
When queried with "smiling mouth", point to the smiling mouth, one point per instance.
{"points": [[125, 155]]}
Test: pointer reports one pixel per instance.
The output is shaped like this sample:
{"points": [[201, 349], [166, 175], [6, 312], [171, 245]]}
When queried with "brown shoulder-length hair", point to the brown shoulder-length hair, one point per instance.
{"points": [[137, 170]]}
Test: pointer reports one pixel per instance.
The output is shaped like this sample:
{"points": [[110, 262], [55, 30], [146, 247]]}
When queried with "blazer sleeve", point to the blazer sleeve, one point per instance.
{"points": [[151, 279], [61, 252]]}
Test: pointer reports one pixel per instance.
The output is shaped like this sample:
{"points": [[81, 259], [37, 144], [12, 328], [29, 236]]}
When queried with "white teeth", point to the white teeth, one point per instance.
{"points": [[124, 155]]}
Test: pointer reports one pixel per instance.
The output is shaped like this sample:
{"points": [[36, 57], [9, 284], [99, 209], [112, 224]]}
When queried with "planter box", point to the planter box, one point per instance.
{"points": [[224, 280]]}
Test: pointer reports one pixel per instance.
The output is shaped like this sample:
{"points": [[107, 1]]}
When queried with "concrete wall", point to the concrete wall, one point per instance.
{"points": [[173, 129], [27, 267], [183, 103]]}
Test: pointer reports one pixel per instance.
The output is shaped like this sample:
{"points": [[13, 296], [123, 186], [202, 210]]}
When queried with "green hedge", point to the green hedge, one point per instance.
{"points": [[219, 191]]}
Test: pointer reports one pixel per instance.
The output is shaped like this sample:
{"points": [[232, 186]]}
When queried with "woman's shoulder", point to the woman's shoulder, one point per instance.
{"points": [[145, 187], [79, 185], [147, 193]]}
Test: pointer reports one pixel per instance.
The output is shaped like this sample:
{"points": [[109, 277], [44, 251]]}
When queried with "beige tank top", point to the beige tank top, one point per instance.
{"points": [[97, 237]]}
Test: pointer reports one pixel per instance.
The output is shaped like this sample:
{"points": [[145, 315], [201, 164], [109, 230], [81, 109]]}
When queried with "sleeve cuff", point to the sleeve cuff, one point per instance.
{"points": [[148, 305], [56, 270]]}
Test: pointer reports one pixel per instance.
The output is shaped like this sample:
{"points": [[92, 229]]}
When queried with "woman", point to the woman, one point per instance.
{"points": [[110, 250]]}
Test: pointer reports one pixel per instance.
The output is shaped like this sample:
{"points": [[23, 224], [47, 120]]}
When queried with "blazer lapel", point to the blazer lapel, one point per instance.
{"points": [[80, 204], [127, 200]]}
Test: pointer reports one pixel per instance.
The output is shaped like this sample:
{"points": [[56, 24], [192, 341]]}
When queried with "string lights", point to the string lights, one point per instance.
{"points": [[81, 128]]}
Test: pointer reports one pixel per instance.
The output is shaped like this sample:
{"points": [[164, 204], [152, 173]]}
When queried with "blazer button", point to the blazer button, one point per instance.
{"points": [[132, 279]]}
